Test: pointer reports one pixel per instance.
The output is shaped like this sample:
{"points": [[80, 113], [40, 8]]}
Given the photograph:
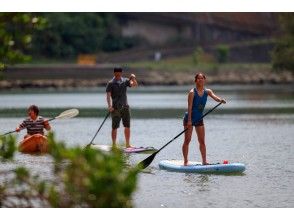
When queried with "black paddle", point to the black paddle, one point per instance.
{"points": [[108, 113], [66, 114], [10, 132], [146, 162]]}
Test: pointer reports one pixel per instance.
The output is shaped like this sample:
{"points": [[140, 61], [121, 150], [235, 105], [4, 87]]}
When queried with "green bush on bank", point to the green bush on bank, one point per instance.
{"points": [[283, 53], [197, 55], [222, 51], [83, 177]]}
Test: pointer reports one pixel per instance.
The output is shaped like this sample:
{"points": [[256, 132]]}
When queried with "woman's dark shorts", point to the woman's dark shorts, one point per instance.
{"points": [[200, 123], [121, 114]]}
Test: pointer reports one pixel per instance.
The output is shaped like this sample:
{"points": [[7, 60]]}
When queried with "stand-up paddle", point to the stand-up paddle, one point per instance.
{"points": [[91, 142], [66, 114], [146, 162]]}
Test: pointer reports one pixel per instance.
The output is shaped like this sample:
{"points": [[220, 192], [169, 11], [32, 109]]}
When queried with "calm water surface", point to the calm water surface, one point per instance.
{"points": [[263, 142], [155, 97]]}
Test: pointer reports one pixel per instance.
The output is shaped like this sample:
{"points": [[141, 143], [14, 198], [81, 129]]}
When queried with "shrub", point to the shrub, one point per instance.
{"points": [[82, 177], [222, 51], [197, 55], [283, 53]]}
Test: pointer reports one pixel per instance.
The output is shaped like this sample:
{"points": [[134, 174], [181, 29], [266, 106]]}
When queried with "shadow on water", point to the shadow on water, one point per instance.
{"points": [[130, 162]]}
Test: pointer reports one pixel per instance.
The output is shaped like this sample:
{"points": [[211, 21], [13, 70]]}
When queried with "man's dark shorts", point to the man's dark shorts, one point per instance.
{"points": [[121, 114]]}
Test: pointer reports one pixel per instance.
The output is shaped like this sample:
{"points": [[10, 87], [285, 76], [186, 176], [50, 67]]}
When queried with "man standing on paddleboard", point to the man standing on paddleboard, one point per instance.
{"points": [[116, 96], [197, 98]]}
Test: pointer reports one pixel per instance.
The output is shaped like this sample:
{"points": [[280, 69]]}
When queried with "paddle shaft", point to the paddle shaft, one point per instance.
{"points": [[187, 128], [108, 113], [51, 119], [146, 162], [10, 132]]}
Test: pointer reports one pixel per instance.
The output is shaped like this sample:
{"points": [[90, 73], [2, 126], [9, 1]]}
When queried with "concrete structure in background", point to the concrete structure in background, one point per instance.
{"points": [[178, 34], [198, 28]]}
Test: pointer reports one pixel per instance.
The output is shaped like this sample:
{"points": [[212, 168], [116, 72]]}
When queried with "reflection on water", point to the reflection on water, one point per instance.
{"points": [[202, 181]]}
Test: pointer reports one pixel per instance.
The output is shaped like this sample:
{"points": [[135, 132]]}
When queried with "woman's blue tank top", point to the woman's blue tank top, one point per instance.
{"points": [[198, 106]]}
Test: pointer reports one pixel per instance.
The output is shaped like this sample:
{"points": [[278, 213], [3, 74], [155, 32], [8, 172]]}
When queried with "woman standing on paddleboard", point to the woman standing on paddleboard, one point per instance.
{"points": [[197, 98]]}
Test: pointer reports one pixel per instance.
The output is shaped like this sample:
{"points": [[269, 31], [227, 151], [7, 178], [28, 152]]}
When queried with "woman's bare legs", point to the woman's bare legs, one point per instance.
{"points": [[200, 131], [185, 147]]}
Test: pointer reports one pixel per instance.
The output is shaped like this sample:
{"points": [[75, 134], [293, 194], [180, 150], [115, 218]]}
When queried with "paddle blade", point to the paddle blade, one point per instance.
{"points": [[146, 162], [68, 114]]}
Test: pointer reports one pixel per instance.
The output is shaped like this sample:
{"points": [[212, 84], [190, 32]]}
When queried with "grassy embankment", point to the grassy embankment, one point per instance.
{"points": [[186, 64], [172, 65], [144, 113]]}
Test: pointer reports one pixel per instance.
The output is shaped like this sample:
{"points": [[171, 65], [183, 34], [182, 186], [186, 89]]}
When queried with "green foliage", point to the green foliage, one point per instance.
{"points": [[197, 55], [222, 51], [70, 34], [82, 178], [2, 68], [16, 36], [7, 147], [59, 35], [283, 53]]}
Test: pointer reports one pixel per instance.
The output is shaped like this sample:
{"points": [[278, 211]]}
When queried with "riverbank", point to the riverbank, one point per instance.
{"points": [[148, 73], [148, 113]]}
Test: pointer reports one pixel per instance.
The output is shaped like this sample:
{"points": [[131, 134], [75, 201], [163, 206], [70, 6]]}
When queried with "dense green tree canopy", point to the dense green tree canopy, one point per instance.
{"points": [[70, 34], [59, 35]]}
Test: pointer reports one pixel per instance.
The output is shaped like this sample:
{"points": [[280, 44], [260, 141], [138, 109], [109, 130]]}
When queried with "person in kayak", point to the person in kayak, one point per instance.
{"points": [[34, 124], [197, 98], [116, 96]]}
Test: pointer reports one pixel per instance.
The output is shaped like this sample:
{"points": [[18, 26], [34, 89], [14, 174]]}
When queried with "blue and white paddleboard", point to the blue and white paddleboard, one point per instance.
{"points": [[125, 150], [197, 167]]}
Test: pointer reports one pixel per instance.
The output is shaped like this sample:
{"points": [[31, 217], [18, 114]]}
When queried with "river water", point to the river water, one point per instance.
{"points": [[263, 142]]}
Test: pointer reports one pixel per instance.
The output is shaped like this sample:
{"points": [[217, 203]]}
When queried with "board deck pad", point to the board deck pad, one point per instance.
{"points": [[197, 167], [126, 150]]}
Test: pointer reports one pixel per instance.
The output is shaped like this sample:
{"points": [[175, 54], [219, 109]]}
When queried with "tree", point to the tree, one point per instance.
{"points": [[283, 53], [59, 35], [68, 34], [16, 31]]}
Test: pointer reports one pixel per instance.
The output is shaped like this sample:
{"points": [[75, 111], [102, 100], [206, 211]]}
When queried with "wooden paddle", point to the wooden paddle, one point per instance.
{"points": [[66, 114], [146, 162], [91, 142]]}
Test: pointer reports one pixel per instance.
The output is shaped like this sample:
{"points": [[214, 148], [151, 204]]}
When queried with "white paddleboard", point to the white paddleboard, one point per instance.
{"points": [[197, 167], [108, 148]]}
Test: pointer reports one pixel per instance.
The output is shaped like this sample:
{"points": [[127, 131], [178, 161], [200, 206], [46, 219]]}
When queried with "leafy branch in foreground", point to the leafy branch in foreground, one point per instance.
{"points": [[81, 178], [16, 30]]}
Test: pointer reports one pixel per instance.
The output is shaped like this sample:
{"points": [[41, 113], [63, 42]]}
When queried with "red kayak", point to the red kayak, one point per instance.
{"points": [[36, 143]]}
